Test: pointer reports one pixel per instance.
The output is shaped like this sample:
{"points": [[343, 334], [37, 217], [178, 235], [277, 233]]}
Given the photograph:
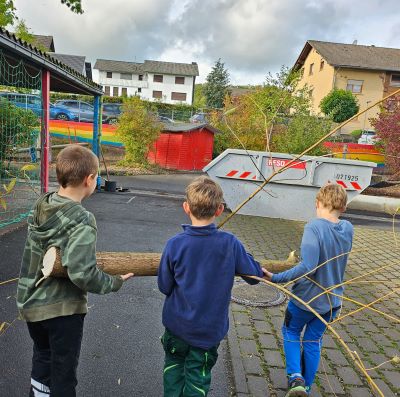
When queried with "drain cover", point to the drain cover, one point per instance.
{"points": [[260, 295]]}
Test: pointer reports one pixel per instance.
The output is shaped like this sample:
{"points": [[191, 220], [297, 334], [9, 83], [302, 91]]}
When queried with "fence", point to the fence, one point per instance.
{"points": [[20, 121]]}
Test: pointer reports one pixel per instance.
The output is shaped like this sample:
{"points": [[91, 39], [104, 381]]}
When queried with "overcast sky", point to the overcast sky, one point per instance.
{"points": [[252, 37]]}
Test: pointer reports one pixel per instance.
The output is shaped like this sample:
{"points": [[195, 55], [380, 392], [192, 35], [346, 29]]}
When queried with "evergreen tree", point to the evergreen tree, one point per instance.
{"points": [[217, 85]]}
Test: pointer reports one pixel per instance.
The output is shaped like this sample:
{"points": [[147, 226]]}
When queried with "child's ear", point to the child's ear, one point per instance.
{"points": [[186, 208], [89, 179], [220, 210]]}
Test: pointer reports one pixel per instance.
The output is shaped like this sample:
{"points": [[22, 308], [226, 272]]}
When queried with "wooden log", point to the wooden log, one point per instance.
{"points": [[139, 263]]}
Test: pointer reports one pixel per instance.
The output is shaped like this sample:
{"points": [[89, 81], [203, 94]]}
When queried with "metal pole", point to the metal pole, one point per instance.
{"points": [[45, 132], [97, 120]]}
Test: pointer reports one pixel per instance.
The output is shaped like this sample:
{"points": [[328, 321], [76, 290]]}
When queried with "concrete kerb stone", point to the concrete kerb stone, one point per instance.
{"points": [[12, 227], [363, 202]]}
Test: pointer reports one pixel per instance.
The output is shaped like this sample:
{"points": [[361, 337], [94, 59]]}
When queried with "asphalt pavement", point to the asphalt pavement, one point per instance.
{"points": [[121, 352]]}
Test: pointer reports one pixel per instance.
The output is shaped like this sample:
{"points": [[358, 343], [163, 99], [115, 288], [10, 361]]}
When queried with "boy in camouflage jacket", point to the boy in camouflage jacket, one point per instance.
{"points": [[55, 309]]}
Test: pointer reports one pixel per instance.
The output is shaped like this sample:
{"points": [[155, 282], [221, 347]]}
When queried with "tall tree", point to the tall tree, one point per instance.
{"points": [[7, 13], [217, 85], [268, 116]]}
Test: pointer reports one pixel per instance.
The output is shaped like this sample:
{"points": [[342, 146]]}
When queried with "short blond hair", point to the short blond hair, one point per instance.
{"points": [[333, 197], [204, 197], [74, 163]]}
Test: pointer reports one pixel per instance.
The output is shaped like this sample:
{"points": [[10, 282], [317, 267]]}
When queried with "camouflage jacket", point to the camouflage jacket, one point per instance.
{"points": [[60, 222]]}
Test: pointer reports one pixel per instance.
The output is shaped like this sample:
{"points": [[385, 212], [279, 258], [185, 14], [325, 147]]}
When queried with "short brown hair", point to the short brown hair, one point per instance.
{"points": [[333, 196], [74, 164], [204, 197]]}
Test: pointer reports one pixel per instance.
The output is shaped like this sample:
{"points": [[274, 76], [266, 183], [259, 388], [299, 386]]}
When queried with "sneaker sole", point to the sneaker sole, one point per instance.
{"points": [[300, 392]]}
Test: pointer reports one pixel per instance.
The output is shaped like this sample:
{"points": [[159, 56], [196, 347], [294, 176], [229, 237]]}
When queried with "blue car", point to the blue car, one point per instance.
{"points": [[34, 103]]}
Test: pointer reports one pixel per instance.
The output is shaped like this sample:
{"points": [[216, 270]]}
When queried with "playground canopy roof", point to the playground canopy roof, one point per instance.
{"points": [[62, 77]]}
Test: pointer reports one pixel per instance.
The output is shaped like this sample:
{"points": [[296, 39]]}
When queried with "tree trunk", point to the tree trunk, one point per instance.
{"points": [[139, 263]]}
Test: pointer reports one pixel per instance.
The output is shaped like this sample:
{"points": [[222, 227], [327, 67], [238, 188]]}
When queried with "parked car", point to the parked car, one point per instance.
{"points": [[199, 118], [34, 103], [82, 110], [111, 112], [368, 137]]}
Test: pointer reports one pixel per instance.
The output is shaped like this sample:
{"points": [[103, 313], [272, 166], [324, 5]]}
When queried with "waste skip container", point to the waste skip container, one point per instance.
{"points": [[290, 194]]}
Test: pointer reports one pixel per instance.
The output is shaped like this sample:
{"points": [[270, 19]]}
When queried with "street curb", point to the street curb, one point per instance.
{"points": [[363, 202], [238, 372], [12, 227]]}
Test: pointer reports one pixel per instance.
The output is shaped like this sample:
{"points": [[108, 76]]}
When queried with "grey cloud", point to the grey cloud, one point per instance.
{"points": [[251, 36]]}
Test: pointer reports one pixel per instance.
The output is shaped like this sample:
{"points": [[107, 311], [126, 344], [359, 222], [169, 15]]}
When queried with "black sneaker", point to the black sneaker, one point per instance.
{"points": [[297, 388]]}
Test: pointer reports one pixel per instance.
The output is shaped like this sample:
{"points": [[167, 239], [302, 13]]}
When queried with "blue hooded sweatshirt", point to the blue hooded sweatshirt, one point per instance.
{"points": [[196, 274], [322, 240]]}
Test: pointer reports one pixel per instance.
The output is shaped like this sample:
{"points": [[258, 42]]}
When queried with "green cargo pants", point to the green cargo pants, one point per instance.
{"points": [[187, 369]]}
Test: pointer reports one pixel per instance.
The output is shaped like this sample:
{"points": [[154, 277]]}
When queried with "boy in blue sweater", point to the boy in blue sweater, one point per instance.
{"points": [[196, 274], [324, 238]]}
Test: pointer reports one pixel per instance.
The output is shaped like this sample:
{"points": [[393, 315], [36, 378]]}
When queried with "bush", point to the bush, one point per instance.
{"points": [[388, 132], [339, 105], [356, 134], [138, 129], [302, 132], [17, 128]]}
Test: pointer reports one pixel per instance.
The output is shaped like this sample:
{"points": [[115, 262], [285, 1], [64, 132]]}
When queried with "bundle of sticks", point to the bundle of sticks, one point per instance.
{"points": [[139, 263]]}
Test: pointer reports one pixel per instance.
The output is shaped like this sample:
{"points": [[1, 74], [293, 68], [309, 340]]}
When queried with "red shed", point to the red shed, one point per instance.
{"points": [[183, 146]]}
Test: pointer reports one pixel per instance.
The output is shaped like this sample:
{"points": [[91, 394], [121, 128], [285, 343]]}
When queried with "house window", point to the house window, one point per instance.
{"points": [[310, 72], [124, 91], [157, 94], [109, 75], [355, 86], [126, 76], [139, 89], [395, 79], [321, 65], [115, 91], [140, 77], [179, 80], [158, 78], [178, 96], [107, 90]]}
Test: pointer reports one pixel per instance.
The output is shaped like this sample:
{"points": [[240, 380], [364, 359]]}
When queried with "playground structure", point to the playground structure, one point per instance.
{"points": [[25, 137]]}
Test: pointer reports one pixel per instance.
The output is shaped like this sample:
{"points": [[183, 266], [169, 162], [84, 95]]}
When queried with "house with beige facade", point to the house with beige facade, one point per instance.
{"points": [[369, 72]]}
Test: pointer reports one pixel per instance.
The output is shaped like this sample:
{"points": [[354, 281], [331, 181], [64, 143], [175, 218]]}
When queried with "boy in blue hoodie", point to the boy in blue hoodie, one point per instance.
{"points": [[324, 238], [196, 274]]}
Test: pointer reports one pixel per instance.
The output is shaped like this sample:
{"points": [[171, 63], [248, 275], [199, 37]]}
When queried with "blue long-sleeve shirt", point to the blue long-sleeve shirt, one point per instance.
{"points": [[322, 240], [196, 274]]}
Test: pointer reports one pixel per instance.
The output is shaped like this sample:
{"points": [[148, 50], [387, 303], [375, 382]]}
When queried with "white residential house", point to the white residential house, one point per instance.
{"points": [[168, 82]]}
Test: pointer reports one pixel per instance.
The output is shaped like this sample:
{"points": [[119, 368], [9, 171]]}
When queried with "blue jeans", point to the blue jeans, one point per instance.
{"points": [[303, 354]]}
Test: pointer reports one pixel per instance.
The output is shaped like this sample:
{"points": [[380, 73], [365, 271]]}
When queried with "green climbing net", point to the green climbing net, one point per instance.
{"points": [[20, 119]]}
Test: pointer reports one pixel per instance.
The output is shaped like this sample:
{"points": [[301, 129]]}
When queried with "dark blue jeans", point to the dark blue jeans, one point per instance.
{"points": [[303, 354]]}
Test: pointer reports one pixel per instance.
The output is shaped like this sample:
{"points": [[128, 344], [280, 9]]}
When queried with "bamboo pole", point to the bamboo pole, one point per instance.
{"points": [[353, 355]]}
